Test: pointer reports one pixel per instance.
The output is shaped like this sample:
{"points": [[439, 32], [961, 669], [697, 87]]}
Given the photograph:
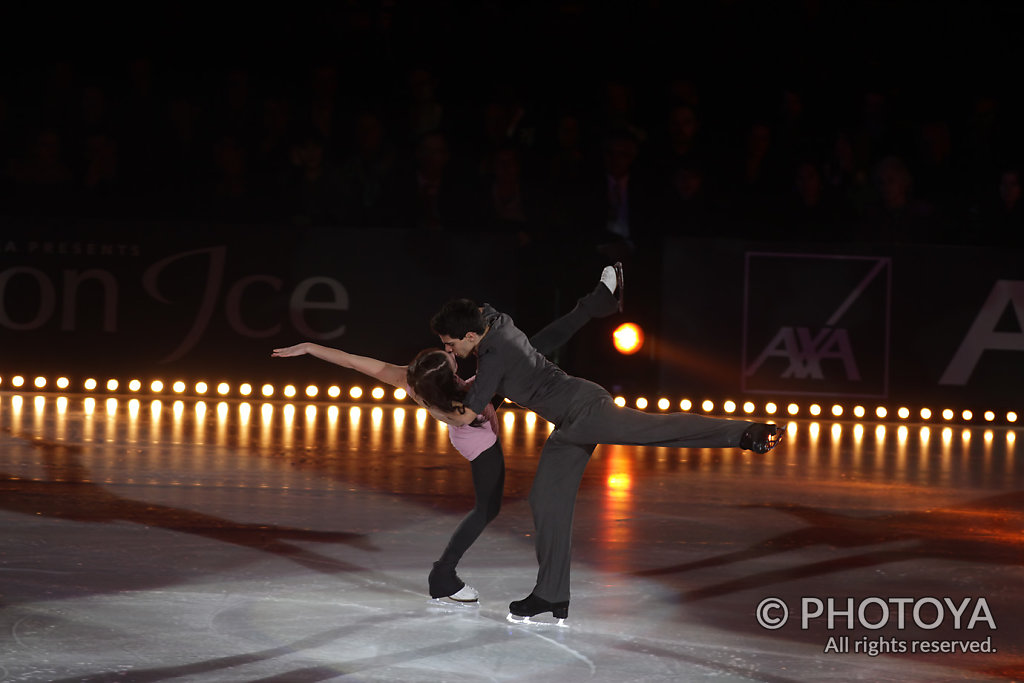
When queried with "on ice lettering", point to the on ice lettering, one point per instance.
{"points": [[72, 281], [983, 335]]}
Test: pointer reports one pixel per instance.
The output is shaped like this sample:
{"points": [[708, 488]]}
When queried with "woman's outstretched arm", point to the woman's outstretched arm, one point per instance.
{"points": [[378, 369]]}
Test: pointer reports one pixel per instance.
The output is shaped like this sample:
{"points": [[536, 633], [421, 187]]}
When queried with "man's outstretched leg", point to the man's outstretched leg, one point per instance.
{"points": [[604, 300], [601, 421]]}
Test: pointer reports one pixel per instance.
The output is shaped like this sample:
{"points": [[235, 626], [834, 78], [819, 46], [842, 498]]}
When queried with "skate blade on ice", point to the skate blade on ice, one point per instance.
{"points": [[449, 604], [539, 620]]}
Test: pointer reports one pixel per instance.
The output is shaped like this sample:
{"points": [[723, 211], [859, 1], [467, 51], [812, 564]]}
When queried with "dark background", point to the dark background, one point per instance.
{"points": [[844, 127]]}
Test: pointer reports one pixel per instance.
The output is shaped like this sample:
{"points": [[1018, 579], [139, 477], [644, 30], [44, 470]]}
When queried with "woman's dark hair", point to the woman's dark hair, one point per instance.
{"points": [[431, 377], [457, 318]]}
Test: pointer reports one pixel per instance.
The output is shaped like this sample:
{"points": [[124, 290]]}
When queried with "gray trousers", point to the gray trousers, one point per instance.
{"points": [[596, 420]]}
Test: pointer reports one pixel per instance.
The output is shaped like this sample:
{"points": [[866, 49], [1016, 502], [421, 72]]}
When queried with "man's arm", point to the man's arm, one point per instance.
{"points": [[378, 369]]}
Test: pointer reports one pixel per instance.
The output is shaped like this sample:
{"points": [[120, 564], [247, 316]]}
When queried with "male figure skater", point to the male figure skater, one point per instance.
{"points": [[583, 414]]}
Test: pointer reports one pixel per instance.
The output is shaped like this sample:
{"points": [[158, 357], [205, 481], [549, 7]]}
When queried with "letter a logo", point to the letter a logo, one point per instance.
{"points": [[983, 335]]}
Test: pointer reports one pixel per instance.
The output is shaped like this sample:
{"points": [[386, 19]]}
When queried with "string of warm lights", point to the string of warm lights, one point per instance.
{"points": [[245, 390]]}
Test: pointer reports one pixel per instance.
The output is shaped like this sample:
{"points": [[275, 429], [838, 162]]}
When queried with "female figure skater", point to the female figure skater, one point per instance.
{"points": [[433, 371]]}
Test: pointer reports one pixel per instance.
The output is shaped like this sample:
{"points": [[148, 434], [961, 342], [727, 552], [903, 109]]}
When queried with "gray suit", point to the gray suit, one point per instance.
{"points": [[584, 415]]}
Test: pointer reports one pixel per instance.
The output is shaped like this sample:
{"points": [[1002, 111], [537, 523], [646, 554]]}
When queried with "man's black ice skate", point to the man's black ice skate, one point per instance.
{"points": [[531, 606], [761, 437]]}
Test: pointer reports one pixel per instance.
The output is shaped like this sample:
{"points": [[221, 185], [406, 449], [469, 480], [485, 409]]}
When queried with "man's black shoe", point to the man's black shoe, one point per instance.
{"points": [[761, 437]]}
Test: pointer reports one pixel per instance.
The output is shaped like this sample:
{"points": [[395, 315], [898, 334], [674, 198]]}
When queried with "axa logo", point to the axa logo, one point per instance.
{"points": [[805, 350], [834, 337]]}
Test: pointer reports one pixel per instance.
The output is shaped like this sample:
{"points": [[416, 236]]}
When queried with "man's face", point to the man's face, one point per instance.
{"points": [[460, 347]]}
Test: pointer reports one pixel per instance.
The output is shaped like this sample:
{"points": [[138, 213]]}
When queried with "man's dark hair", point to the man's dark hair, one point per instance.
{"points": [[457, 318]]}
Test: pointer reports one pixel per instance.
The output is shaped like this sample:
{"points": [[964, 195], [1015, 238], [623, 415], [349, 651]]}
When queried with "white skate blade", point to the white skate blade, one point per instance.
{"points": [[454, 604], [449, 603], [511, 618]]}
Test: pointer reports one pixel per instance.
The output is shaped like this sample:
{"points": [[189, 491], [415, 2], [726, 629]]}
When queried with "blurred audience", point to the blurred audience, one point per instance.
{"points": [[604, 140]]}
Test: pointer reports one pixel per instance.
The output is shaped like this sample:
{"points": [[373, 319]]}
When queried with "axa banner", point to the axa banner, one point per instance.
{"points": [[919, 324], [166, 300]]}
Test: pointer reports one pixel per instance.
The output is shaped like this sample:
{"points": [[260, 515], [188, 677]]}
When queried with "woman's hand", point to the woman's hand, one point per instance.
{"points": [[300, 349]]}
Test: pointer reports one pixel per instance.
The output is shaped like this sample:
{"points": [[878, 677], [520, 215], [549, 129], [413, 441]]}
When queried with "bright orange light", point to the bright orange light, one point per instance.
{"points": [[707, 406], [641, 403], [620, 401], [1011, 417], [178, 387], [729, 406], [334, 391], [156, 386], [377, 393], [881, 412], [792, 409], [947, 414], [267, 390], [926, 413], [89, 384], [989, 416], [63, 382], [111, 385], [837, 410], [289, 391], [968, 415], [223, 388], [903, 412], [355, 392], [859, 411], [312, 391], [202, 387], [663, 403], [685, 404], [245, 389], [770, 408], [400, 394], [134, 385], [628, 338], [815, 409], [40, 382], [748, 407], [18, 380], [620, 482]]}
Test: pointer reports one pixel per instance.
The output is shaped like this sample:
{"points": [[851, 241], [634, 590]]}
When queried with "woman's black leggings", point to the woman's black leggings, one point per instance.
{"points": [[488, 483]]}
